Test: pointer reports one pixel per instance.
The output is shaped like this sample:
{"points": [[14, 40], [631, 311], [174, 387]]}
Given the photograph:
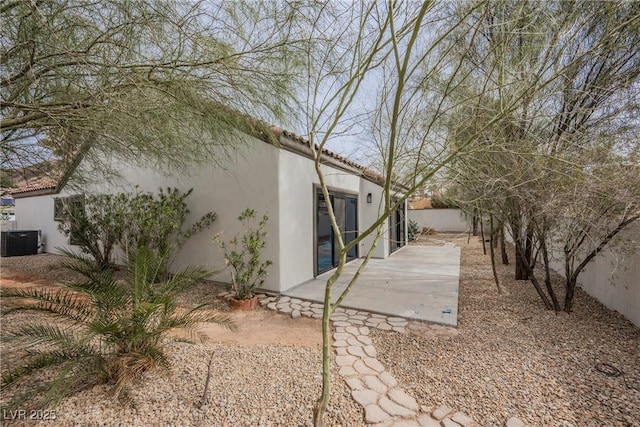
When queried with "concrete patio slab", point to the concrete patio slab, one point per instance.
{"points": [[417, 282]]}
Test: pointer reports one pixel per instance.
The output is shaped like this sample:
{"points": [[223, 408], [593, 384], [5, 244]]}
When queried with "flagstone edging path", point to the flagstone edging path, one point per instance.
{"points": [[385, 403]]}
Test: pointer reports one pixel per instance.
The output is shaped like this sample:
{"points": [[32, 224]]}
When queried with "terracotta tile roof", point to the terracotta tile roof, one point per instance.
{"points": [[304, 143], [39, 184], [42, 183]]}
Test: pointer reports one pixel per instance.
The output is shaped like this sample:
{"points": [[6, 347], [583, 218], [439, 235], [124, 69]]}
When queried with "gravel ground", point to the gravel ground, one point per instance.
{"points": [[510, 357], [256, 385], [513, 358]]}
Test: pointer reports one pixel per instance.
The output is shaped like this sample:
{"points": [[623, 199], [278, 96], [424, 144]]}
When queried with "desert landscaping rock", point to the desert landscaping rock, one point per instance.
{"points": [[503, 364]]}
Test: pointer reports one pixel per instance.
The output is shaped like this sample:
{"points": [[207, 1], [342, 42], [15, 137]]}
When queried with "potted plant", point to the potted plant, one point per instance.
{"points": [[243, 255]]}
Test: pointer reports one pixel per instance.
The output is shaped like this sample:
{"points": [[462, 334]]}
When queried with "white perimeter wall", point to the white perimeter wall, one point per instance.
{"points": [[440, 219], [612, 277]]}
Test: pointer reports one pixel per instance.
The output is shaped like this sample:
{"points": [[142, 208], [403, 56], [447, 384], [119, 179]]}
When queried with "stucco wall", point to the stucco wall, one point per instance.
{"points": [[613, 276], [440, 219], [297, 178], [250, 179], [259, 176]]}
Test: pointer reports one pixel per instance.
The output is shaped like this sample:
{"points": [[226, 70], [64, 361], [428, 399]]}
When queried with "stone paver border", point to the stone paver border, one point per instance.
{"points": [[385, 403]]}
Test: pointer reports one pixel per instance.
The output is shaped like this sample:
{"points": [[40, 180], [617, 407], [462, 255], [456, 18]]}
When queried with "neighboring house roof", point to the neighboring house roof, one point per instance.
{"points": [[420, 204], [287, 140]]}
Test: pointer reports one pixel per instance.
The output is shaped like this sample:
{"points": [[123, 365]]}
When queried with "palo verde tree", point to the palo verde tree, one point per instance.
{"points": [[549, 178], [408, 53], [150, 79]]}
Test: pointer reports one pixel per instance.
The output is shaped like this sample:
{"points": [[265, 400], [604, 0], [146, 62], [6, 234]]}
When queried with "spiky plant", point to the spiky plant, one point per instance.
{"points": [[104, 330]]}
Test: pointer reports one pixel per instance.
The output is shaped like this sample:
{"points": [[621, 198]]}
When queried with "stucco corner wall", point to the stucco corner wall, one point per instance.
{"points": [[613, 277], [444, 220]]}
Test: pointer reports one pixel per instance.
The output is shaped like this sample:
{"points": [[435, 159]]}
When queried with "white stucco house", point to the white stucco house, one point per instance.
{"points": [[280, 181]]}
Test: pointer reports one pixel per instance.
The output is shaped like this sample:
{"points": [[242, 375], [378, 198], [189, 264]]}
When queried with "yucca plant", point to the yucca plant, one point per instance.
{"points": [[105, 330]]}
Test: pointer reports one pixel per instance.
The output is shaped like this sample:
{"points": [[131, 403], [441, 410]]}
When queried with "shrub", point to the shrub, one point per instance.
{"points": [[130, 221], [107, 331], [413, 230], [243, 255]]}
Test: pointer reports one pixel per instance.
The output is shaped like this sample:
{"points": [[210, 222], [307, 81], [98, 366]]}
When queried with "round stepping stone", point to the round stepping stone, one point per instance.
{"points": [[400, 397], [370, 351], [317, 316], [272, 306], [284, 299], [347, 371], [341, 323], [316, 310], [354, 341], [378, 316], [295, 301], [341, 351], [427, 421], [341, 336], [463, 419], [514, 422], [373, 364], [364, 330], [307, 313], [363, 369], [384, 326], [375, 320], [393, 408], [388, 379], [372, 382], [339, 310], [345, 360], [296, 306], [398, 329], [357, 322], [353, 330], [295, 314], [340, 343], [285, 310], [365, 397], [373, 414], [364, 340], [354, 383], [305, 303], [358, 317], [351, 312], [440, 412], [316, 305], [356, 351], [405, 423]]}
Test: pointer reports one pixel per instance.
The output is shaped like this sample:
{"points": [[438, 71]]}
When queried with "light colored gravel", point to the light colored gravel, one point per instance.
{"points": [[511, 357], [262, 385]]}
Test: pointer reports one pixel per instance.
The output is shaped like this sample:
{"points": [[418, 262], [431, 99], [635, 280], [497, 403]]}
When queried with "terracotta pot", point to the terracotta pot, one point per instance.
{"points": [[244, 304]]}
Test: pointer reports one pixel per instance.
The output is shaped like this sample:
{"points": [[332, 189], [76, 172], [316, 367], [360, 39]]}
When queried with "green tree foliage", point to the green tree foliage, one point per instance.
{"points": [[103, 222], [547, 169], [150, 79], [243, 253], [106, 331]]}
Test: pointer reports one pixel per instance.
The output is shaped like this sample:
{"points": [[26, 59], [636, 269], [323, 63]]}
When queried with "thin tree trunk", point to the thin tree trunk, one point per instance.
{"points": [[205, 393], [475, 222], [572, 276], [493, 256], [484, 245], [547, 275], [532, 278], [503, 247]]}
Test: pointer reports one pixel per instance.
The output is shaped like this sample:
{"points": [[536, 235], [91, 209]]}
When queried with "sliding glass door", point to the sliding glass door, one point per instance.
{"points": [[345, 208], [397, 231]]}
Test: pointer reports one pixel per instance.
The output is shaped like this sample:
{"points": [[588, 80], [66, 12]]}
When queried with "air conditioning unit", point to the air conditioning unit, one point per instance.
{"points": [[19, 242]]}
